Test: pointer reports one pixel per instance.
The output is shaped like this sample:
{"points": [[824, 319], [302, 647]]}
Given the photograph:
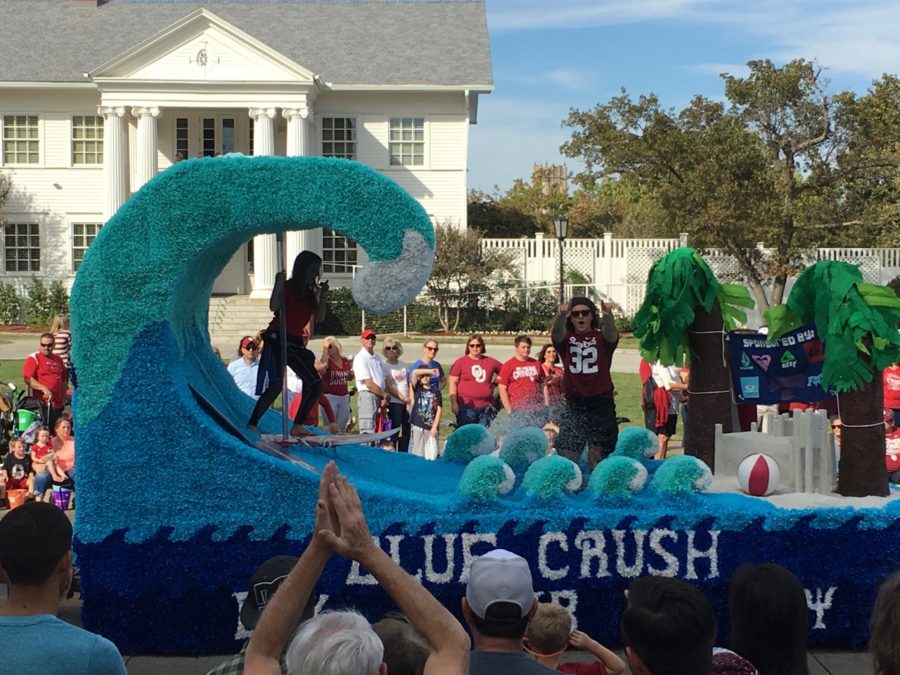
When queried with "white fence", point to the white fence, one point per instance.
{"points": [[617, 268]]}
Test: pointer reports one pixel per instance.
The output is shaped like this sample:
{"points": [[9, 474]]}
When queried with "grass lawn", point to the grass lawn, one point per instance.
{"points": [[11, 371]]}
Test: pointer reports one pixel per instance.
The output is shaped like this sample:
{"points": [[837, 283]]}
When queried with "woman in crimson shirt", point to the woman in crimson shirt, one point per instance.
{"points": [[338, 372], [472, 376], [303, 297], [553, 374]]}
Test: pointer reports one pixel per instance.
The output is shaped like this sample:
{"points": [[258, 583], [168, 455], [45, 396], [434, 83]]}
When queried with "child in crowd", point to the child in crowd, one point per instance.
{"points": [[425, 416], [44, 464], [17, 473], [550, 632]]}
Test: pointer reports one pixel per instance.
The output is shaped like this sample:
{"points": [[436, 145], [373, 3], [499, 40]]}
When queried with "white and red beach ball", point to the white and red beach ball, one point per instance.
{"points": [[758, 475]]}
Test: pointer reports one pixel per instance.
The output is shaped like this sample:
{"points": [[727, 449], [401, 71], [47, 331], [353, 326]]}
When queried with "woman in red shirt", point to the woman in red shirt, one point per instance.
{"points": [[338, 371], [304, 298], [553, 374]]}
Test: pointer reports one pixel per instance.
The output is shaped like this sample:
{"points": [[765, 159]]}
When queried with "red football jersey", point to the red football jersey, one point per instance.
{"points": [[586, 360]]}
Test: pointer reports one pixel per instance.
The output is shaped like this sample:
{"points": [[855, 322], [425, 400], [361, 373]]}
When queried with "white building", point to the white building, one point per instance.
{"points": [[98, 96]]}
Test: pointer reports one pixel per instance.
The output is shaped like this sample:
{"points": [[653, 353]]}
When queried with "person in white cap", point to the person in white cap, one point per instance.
{"points": [[498, 605]]}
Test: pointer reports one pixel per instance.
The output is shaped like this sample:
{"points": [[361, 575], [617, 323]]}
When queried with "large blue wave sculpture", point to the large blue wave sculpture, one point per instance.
{"points": [[174, 513]]}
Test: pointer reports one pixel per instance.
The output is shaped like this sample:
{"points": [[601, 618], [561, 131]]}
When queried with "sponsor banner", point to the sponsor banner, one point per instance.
{"points": [[786, 370]]}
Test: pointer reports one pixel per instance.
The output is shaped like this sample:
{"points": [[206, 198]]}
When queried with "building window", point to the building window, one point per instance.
{"points": [[407, 141], [87, 139], [21, 142], [339, 137], [338, 252], [182, 143], [209, 137], [23, 247], [82, 236]]}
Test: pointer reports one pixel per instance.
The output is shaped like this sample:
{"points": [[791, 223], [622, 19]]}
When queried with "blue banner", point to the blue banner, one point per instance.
{"points": [[786, 370]]}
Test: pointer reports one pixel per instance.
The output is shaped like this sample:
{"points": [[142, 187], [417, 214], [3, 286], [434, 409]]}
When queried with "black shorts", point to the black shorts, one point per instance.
{"points": [[668, 429], [591, 421]]}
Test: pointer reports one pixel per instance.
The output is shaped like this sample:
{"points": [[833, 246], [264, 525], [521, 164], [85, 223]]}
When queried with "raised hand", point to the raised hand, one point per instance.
{"points": [[326, 519], [351, 539], [580, 640]]}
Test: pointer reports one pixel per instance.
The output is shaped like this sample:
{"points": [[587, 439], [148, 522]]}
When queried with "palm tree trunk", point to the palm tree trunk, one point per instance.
{"points": [[710, 372], [862, 469]]}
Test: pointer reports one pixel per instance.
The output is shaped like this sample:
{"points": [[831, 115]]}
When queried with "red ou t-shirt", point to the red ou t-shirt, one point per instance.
{"points": [[586, 360], [334, 381], [524, 382], [475, 388]]}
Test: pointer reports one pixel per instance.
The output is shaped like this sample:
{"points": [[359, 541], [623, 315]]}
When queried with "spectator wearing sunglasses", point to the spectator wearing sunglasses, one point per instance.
{"points": [[396, 379], [244, 370], [45, 374], [472, 393], [428, 361], [370, 381], [586, 340]]}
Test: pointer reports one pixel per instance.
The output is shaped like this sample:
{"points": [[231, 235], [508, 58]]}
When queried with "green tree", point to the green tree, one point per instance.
{"points": [[463, 272], [496, 218], [685, 312], [775, 166], [857, 322]]}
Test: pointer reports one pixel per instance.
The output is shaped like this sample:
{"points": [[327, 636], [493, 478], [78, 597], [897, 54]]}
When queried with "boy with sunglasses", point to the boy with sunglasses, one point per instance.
{"points": [[585, 343]]}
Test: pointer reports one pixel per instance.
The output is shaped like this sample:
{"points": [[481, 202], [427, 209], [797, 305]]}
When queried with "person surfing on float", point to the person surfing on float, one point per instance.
{"points": [[301, 298]]}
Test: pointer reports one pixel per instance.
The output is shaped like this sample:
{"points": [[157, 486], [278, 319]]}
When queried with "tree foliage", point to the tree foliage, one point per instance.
{"points": [[463, 272], [779, 163]]}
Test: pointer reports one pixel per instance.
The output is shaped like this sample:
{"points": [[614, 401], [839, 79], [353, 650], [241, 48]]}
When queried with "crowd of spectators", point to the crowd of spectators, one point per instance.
{"points": [[40, 451]]}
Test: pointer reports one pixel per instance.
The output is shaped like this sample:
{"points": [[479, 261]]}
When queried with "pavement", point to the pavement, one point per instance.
{"points": [[17, 346]]}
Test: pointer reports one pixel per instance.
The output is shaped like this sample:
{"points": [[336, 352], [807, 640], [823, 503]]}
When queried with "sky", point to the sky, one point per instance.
{"points": [[550, 56]]}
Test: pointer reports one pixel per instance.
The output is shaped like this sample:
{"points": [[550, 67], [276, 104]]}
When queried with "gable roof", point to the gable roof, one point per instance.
{"points": [[345, 43]]}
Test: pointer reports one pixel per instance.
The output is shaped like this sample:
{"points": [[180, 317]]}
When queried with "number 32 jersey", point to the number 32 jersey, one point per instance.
{"points": [[586, 360]]}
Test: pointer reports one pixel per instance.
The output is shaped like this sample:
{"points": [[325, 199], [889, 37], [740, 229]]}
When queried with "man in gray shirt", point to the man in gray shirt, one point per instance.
{"points": [[499, 603]]}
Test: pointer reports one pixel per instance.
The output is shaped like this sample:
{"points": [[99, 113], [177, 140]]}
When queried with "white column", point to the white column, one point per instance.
{"points": [[115, 174], [264, 263], [145, 162], [298, 121]]}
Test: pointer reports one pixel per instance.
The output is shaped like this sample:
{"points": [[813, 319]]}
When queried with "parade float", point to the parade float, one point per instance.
{"points": [[176, 508]]}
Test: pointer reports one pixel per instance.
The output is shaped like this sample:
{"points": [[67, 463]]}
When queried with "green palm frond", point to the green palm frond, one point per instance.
{"points": [[677, 285], [856, 321]]}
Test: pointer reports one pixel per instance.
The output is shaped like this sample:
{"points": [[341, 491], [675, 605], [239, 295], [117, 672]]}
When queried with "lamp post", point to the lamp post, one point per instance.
{"points": [[562, 229]]}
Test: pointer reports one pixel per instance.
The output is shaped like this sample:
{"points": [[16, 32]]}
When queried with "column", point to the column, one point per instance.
{"points": [[264, 263], [145, 160], [115, 168], [298, 120]]}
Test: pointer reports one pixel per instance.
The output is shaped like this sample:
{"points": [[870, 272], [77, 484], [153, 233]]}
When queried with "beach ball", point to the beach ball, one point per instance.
{"points": [[758, 475]]}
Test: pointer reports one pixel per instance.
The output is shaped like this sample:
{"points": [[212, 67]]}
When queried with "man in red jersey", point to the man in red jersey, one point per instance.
{"points": [[45, 374], [521, 387], [586, 342]]}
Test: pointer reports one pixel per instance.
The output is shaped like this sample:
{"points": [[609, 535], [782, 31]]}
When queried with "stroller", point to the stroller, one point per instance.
{"points": [[24, 415]]}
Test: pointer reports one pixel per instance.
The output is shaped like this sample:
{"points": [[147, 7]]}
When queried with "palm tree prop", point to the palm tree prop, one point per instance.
{"points": [[684, 314], [857, 322]]}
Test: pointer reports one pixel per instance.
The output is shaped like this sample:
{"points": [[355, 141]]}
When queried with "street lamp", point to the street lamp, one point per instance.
{"points": [[562, 229]]}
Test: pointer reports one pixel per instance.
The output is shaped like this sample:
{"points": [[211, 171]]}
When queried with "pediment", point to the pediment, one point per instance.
{"points": [[203, 47]]}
